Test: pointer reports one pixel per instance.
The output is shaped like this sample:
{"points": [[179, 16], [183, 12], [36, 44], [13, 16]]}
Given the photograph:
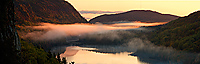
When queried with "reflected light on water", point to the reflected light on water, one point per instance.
{"points": [[88, 57]]}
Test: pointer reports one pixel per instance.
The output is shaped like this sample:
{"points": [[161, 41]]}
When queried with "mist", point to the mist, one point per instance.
{"points": [[115, 38], [144, 50], [56, 31], [137, 43]]}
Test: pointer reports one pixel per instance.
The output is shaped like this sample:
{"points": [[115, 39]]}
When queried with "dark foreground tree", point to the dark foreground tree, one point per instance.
{"points": [[64, 61], [58, 57]]}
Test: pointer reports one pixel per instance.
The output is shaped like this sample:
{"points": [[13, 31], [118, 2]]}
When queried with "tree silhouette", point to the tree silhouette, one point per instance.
{"points": [[72, 62], [64, 61], [49, 55], [58, 57]]}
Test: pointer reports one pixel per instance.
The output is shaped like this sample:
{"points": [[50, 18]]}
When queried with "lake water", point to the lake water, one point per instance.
{"points": [[121, 55], [81, 55], [135, 50]]}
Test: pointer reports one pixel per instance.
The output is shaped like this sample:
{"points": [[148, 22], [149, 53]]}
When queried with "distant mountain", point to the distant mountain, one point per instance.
{"points": [[52, 11], [182, 33], [135, 15]]}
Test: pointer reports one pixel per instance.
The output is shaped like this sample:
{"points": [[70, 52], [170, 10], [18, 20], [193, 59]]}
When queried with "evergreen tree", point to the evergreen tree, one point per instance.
{"points": [[64, 61], [72, 62], [49, 55], [58, 57], [54, 55]]}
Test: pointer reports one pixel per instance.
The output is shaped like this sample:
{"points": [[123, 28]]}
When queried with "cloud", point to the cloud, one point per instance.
{"points": [[59, 31], [98, 12]]}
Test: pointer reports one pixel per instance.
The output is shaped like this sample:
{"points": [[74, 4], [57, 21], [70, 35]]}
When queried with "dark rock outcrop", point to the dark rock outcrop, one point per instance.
{"points": [[135, 15], [52, 11], [9, 41]]}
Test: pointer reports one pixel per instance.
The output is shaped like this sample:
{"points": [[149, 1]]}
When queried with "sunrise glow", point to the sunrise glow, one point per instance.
{"points": [[175, 7]]}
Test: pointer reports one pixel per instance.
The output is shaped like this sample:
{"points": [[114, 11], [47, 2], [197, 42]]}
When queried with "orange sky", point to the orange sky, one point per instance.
{"points": [[175, 7]]}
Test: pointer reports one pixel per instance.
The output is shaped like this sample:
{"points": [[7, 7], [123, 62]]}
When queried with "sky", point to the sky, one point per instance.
{"points": [[92, 8]]}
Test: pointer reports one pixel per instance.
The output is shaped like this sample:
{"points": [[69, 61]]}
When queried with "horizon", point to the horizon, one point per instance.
{"points": [[92, 8]]}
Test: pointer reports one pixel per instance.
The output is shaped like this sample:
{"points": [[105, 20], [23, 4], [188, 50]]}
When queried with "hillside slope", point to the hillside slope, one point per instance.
{"points": [[52, 11], [182, 33], [135, 15], [14, 51]]}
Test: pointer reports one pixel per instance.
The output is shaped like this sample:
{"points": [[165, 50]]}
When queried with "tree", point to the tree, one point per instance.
{"points": [[58, 57], [64, 61], [54, 55], [49, 55], [72, 62]]}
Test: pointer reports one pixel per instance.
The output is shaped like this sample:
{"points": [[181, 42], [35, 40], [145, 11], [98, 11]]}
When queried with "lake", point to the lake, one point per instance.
{"points": [[96, 54], [118, 43], [81, 55]]}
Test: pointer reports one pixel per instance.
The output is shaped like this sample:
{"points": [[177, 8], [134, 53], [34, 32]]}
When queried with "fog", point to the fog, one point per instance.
{"points": [[150, 53], [56, 31], [144, 50], [119, 37], [140, 46]]}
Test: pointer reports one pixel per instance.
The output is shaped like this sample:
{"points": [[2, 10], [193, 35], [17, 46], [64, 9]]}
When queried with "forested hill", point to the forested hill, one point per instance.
{"points": [[12, 49], [182, 33], [52, 11], [135, 15]]}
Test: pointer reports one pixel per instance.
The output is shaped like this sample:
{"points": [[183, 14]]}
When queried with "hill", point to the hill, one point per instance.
{"points": [[182, 33], [51, 11], [12, 49], [135, 15]]}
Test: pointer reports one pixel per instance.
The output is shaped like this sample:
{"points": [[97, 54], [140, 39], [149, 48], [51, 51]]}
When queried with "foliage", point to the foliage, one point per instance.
{"points": [[33, 55], [182, 33], [29, 12], [32, 12], [109, 38], [64, 61], [58, 57]]}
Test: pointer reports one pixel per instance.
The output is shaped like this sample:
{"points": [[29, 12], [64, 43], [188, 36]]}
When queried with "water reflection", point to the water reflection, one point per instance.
{"points": [[82, 56], [69, 52]]}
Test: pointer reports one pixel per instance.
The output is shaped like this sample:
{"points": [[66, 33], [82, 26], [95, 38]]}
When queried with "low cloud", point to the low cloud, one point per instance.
{"points": [[58, 31]]}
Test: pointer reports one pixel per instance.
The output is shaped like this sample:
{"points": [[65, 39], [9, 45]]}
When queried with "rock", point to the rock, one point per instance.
{"points": [[9, 41]]}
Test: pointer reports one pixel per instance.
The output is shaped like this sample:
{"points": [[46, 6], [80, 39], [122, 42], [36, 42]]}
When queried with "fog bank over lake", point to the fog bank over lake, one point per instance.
{"points": [[56, 31]]}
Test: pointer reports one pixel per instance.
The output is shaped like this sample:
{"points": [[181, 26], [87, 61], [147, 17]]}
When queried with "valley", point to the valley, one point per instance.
{"points": [[54, 32]]}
